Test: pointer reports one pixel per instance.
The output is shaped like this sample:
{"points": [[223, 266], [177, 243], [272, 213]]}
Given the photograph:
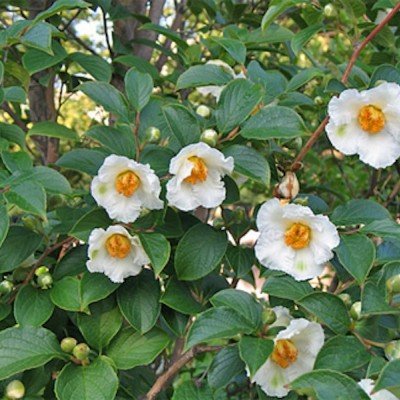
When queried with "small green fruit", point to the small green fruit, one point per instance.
{"points": [[355, 310], [45, 280], [6, 287], [203, 111], [268, 316], [15, 390], [153, 134], [392, 350], [41, 270], [81, 351], [209, 136], [319, 101], [68, 344], [393, 284]]}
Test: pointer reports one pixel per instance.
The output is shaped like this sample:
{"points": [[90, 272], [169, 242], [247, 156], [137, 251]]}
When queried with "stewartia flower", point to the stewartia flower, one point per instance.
{"points": [[367, 123], [198, 171], [115, 253], [294, 354], [368, 385], [124, 187], [294, 240]]}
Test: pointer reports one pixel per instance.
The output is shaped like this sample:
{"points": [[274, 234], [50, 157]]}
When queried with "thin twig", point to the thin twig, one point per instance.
{"points": [[78, 40], [110, 50]]}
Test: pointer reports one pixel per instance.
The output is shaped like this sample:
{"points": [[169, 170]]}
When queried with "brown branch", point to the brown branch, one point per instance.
{"points": [[175, 367], [17, 120], [296, 165]]}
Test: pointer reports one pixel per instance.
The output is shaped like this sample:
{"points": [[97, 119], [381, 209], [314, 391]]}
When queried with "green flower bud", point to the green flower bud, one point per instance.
{"points": [[203, 111], [68, 344], [392, 350], [41, 270], [355, 310], [318, 101], [393, 284], [153, 134], [45, 280], [15, 390], [329, 11], [268, 316], [346, 298], [6, 287], [209, 136], [81, 351]]}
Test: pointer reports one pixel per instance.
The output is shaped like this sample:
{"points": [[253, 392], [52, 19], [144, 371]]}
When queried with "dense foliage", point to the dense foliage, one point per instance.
{"points": [[139, 161]]}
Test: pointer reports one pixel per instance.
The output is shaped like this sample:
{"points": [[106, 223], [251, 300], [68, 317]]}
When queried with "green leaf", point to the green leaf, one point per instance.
{"points": [[203, 75], [52, 129], [199, 252], [4, 224], [241, 259], [158, 158], [26, 348], [235, 48], [330, 385], [16, 160], [385, 228], [274, 122], [28, 196], [32, 306], [389, 377], [286, 287], [386, 73], [130, 349], [97, 380], [329, 308], [102, 324], [139, 301], [158, 248], [217, 323], [73, 263], [343, 354], [240, 301], [237, 101], [97, 218], [300, 39], [255, 352], [225, 367], [84, 160], [108, 96], [61, 5], [249, 162], [357, 254], [14, 94], [51, 180], [18, 245], [302, 78], [39, 37], [169, 33], [190, 391], [359, 212], [139, 63], [96, 66], [373, 301], [138, 87], [275, 10], [13, 134]]}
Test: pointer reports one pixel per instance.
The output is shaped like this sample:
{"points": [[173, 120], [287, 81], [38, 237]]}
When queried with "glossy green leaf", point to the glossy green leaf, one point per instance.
{"points": [[84, 160], [96, 66], [138, 87], [158, 248], [286, 287]]}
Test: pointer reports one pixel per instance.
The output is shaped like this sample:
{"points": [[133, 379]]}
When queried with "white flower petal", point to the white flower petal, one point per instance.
{"points": [[283, 316], [344, 137], [345, 108], [272, 379], [368, 385]]}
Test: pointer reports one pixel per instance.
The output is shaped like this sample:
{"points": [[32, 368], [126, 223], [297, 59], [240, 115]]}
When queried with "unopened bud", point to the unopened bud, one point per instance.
{"points": [[346, 298], [15, 390], [203, 111], [355, 310], [392, 350], [319, 101], [289, 186], [209, 136], [81, 351], [68, 344], [268, 316], [393, 284], [41, 270], [45, 280], [6, 287], [379, 82], [329, 11], [153, 134]]}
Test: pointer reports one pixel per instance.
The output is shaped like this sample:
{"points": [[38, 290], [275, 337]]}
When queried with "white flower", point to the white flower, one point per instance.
{"points": [[198, 171], [216, 91], [115, 253], [368, 384], [294, 240], [124, 187], [283, 317], [367, 123], [294, 354]]}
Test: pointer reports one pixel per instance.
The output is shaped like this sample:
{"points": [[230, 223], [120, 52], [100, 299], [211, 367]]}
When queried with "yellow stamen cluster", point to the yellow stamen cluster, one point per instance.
{"points": [[298, 236], [118, 246], [284, 353], [127, 183], [199, 171], [371, 119]]}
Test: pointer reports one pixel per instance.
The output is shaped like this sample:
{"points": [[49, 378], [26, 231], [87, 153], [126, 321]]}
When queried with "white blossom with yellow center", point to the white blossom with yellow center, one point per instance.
{"points": [[367, 123], [115, 253], [198, 170], [294, 354], [294, 240], [368, 385], [124, 187]]}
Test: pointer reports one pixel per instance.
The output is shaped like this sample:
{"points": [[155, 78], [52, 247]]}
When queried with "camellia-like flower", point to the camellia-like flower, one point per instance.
{"points": [[367, 123], [368, 384], [124, 187], [198, 170], [294, 354], [294, 240], [115, 253]]}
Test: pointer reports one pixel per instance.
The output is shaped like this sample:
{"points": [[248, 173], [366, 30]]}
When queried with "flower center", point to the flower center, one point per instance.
{"points": [[284, 353], [298, 236], [371, 119], [118, 245], [127, 183], [199, 171]]}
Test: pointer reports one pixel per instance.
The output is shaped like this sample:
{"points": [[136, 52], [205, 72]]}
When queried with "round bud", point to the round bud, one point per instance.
{"points": [[203, 111], [15, 390], [392, 350], [346, 298], [209, 136], [289, 186], [329, 11], [318, 101], [68, 344], [45, 281], [393, 284], [81, 351], [41, 270], [6, 287], [153, 134], [355, 310], [268, 316]]}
